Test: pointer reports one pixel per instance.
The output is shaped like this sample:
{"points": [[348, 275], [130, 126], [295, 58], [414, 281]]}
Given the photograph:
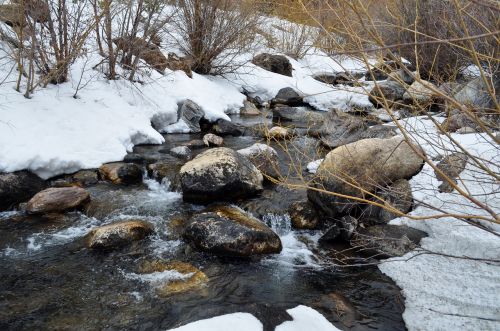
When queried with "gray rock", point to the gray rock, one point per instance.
{"points": [[383, 241], [182, 152], [219, 174], [391, 91], [452, 165], [58, 200], [228, 230], [86, 177], [249, 109], [227, 128], [476, 93], [275, 63], [360, 167], [211, 139], [460, 119], [17, 187], [191, 114], [264, 157], [288, 96]]}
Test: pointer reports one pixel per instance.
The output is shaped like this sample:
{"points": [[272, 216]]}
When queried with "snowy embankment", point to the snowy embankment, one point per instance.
{"points": [[451, 284]]}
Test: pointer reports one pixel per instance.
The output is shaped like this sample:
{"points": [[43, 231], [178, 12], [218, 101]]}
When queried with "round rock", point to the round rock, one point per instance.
{"points": [[58, 200]]}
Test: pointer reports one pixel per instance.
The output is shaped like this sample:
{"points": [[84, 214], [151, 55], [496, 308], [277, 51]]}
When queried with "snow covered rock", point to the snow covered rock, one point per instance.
{"points": [[191, 114], [118, 234], [121, 173], [361, 166], [303, 215], [219, 174], [264, 157], [58, 200], [227, 230], [383, 241], [17, 187], [451, 166], [275, 63]]}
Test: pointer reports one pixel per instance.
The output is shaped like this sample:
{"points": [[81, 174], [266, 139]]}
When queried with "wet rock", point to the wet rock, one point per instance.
{"points": [[303, 215], [86, 177], [58, 200], [280, 133], [227, 128], [343, 230], [121, 173], [182, 152], [227, 230], [190, 278], [17, 187], [195, 144], [219, 174], [275, 63], [167, 169], [451, 166], [264, 158], [341, 307], [288, 96], [249, 109], [383, 241], [362, 166], [118, 234], [420, 93], [191, 114], [389, 91], [211, 140]]}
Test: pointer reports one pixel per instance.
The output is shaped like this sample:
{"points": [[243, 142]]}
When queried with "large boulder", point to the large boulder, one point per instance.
{"points": [[359, 168], [227, 230], [275, 63], [219, 174], [121, 173], [118, 234], [17, 187], [264, 157], [383, 241], [191, 114], [58, 200]]}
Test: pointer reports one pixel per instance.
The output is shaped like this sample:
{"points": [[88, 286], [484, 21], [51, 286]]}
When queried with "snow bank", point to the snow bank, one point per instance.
{"points": [[448, 293], [306, 318]]}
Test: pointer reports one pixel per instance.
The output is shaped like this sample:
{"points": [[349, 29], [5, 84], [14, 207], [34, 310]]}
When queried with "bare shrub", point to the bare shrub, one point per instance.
{"points": [[212, 33]]}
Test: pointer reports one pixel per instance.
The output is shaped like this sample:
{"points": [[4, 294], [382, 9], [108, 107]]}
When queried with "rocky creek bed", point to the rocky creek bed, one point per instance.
{"points": [[52, 281]]}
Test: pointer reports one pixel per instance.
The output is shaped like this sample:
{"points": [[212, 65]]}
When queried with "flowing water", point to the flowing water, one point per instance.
{"points": [[50, 281]]}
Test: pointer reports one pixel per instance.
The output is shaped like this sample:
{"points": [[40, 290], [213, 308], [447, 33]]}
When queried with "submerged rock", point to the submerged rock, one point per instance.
{"points": [[228, 230], [17, 187], [118, 234], [219, 174], [264, 157], [383, 241], [189, 277], [58, 200], [121, 173], [275, 63], [365, 165]]}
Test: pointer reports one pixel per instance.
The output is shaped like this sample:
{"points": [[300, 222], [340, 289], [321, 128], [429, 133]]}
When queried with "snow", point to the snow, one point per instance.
{"points": [[312, 167], [443, 292], [229, 322], [304, 318]]}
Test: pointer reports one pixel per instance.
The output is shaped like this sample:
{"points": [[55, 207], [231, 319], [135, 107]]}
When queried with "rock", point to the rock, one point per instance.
{"points": [[475, 93], [288, 96], [249, 109], [466, 130], [339, 78], [166, 170], [401, 76], [227, 230], [327, 78], [343, 230], [280, 133], [341, 307], [58, 200], [275, 63], [149, 52], [12, 15], [399, 196], [195, 144], [182, 152], [459, 119], [191, 114], [175, 62], [118, 234], [211, 139], [17, 187], [190, 278], [420, 92], [303, 215], [121, 173], [361, 166], [264, 158], [227, 128], [390, 90], [451, 166], [86, 177], [383, 241], [294, 114], [219, 174], [379, 72]]}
